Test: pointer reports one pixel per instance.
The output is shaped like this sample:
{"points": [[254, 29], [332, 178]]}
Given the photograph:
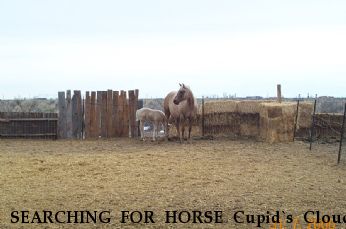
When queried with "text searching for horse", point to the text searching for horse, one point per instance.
{"points": [[156, 117], [180, 106]]}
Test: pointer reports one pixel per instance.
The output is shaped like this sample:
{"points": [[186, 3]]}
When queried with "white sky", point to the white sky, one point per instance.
{"points": [[217, 47]]}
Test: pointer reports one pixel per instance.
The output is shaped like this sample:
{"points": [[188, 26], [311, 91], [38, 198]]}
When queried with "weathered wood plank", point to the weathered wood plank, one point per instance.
{"points": [[104, 114], [131, 112], [136, 133], [121, 114], [116, 113], [93, 121], [77, 120], [87, 111], [109, 113], [62, 122], [126, 116], [68, 114], [98, 112]]}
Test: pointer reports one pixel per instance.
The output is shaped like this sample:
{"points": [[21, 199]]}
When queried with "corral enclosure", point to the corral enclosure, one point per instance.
{"points": [[228, 173], [111, 114]]}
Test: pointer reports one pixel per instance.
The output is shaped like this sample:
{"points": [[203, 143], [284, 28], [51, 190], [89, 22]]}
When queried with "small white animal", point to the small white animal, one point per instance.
{"points": [[156, 117]]}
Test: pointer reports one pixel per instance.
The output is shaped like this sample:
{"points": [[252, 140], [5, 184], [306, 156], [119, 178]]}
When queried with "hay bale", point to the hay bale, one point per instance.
{"points": [[304, 118], [249, 106], [230, 106], [249, 124], [249, 130], [220, 106], [277, 122]]}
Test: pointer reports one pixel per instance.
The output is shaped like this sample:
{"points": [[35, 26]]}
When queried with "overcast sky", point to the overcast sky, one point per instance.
{"points": [[217, 46]]}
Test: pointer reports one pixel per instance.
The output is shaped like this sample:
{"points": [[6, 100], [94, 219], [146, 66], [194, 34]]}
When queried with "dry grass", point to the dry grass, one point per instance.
{"points": [[125, 174]]}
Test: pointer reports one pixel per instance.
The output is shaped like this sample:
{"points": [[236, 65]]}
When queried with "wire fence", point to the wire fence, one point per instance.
{"points": [[28, 125]]}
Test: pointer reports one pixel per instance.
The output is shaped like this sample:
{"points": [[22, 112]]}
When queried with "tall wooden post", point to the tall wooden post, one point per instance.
{"points": [[203, 116], [87, 118], [125, 132], [77, 119], [296, 121], [109, 113], [104, 114], [136, 133], [279, 99], [62, 115], [68, 114], [98, 112], [121, 114], [132, 118], [93, 120], [116, 114]]}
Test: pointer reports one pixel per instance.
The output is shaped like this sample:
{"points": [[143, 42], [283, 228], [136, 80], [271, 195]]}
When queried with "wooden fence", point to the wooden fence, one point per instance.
{"points": [[101, 114], [28, 125]]}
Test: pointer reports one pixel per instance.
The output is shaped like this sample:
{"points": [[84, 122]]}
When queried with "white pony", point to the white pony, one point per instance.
{"points": [[156, 117]]}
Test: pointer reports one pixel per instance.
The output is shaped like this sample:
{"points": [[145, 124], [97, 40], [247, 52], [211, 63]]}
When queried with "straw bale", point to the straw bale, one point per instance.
{"points": [[220, 106], [277, 122], [304, 118], [249, 106], [249, 130]]}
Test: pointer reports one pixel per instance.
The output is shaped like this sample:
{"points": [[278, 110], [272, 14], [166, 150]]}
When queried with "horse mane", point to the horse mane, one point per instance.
{"points": [[191, 99]]}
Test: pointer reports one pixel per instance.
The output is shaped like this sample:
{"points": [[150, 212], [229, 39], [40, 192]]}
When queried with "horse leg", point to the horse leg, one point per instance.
{"points": [[154, 131], [141, 124], [166, 127], [190, 128], [183, 131], [177, 124]]}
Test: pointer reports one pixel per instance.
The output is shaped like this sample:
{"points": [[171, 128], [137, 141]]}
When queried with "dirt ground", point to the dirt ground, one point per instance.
{"points": [[207, 175]]}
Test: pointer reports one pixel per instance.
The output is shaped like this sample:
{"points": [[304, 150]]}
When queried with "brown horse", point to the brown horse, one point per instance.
{"points": [[181, 107]]}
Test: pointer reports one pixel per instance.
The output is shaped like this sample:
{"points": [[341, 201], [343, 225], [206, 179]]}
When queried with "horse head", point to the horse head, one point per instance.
{"points": [[182, 94]]}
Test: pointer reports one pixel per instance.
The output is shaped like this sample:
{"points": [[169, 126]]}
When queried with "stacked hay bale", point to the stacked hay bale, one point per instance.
{"points": [[249, 121], [232, 118], [304, 119], [277, 122], [267, 121], [218, 118]]}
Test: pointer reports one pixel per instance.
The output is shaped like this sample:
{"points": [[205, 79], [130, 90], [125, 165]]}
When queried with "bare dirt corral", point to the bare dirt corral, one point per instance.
{"points": [[125, 174]]}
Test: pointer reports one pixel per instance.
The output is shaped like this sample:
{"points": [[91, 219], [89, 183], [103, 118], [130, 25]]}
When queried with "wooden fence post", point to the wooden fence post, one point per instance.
{"points": [[342, 134], [202, 115], [279, 98], [125, 120], [313, 124], [132, 118], [68, 114], [296, 121], [109, 113], [62, 115], [104, 114], [116, 117], [136, 133], [92, 112], [98, 113], [87, 119], [77, 119]]}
